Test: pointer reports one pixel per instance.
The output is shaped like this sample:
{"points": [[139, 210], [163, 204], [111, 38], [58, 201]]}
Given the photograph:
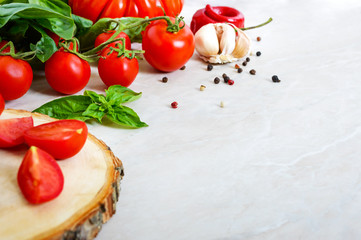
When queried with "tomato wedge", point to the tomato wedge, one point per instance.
{"points": [[39, 177], [12, 131], [62, 139]]}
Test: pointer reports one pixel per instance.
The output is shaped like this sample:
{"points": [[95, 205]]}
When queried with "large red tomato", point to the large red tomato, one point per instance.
{"points": [[95, 10], [167, 51], [114, 70], [16, 77], [66, 72]]}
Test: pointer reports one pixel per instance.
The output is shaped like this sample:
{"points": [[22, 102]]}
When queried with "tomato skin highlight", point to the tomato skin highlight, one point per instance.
{"points": [[67, 73], [16, 77], [2, 104], [39, 177], [62, 139], [167, 51], [114, 70], [12, 131]]}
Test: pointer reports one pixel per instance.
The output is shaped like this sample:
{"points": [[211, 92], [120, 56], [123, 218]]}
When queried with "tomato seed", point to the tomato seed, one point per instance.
{"points": [[174, 104]]}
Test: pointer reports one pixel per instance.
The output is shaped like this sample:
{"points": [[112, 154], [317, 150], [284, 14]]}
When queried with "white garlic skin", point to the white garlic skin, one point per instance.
{"points": [[221, 43]]}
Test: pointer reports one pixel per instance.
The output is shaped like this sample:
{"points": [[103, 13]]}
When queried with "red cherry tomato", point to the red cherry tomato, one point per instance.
{"points": [[62, 139], [103, 37], [66, 72], [167, 51], [2, 104], [39, 177], [114, 70], [16, 77], [12, 131]]}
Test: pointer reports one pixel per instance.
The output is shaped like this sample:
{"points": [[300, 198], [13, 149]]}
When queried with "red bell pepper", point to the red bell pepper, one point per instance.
{"points": [[211, 14]]}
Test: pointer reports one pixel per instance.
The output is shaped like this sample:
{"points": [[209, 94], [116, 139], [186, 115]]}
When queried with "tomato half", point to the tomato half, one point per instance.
{"points": [[62, 139], [114, 70], [103, 37], [12, 131], [2, 104], [167, 51], [66, 72], [39, 177], [16, 77]]}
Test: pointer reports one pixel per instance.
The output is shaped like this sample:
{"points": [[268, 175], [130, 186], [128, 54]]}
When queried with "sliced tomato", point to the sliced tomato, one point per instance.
{"points": [[62, 139], [2, 104], [12, 131], [39, 177]]}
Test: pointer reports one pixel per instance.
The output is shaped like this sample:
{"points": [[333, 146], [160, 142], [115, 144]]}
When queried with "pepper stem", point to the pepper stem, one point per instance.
{"points": [[257, 26]]}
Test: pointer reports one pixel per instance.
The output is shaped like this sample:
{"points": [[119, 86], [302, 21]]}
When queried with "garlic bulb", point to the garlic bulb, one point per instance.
{"points": [[221, 43]]}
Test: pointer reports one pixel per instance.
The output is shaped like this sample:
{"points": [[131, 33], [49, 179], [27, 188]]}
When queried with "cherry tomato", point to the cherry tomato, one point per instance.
{"points": [[2, 43], [12, 131], [167, 51], [114, 70], [62, 139], [16, 77], [2, 104], [39, 177], [103, 37], [66, 72]]}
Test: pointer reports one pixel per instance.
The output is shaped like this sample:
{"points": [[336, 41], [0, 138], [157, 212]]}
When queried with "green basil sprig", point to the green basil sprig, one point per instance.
{"points": [[96, 106]]}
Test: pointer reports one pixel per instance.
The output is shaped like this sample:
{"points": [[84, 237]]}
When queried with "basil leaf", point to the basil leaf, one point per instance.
{"points": [[56, 5], [71, 107], [93, 95], [87, 40], [118, 94], [45, 46], [48, 18], [94, 111], [82, 24], [125, 116], [134, 33]]}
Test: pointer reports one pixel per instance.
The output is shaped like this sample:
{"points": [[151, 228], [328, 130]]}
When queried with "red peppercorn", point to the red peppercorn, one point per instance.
{"points": [[174, 104], [230, 82]]}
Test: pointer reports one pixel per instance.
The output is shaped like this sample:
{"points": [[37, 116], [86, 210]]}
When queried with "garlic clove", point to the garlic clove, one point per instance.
{"points": [[206, 40], [243, 44], [227, 41]]}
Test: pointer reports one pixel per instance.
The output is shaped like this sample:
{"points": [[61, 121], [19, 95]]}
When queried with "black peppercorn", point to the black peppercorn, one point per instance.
{"points": [[164, 79], [252, 72], [239, 70], [217, 80], [226, 79], [244, 63], [209, 67], [258, 53], [275, 78], [182, 68], [248, 59]]}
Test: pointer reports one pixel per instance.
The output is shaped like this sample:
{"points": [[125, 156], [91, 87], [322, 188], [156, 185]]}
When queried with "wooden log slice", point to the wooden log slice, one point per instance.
{"points": [[91, 189]]}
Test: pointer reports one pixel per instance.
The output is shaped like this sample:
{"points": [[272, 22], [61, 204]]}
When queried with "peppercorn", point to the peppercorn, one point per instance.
{"points": [[248, 59], [239, 70], [236, 66], [275, 78], [164, 79], [226, 79], [258, 53], [224, 75], [258, 39], [182, 68], [209, 67], [217, 80], [252, 72], [230, 82], [202, 87], [174, 104], [244, 63]]}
